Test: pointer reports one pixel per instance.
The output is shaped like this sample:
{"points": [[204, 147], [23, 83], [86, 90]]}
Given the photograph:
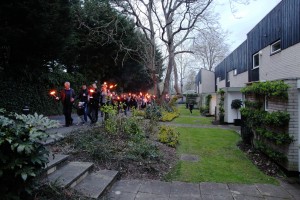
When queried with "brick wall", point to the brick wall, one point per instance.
{"points": [[290, 106], [282, 65], [292, 109]]}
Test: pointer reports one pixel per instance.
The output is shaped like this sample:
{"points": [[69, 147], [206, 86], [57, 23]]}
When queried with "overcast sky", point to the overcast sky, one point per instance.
{"points": [[245, 17]]}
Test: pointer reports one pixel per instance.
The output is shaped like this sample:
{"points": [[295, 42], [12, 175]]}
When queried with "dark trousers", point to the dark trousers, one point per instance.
{"points": [[67, 110], [191, 107], [85, 112], [93, 112]]}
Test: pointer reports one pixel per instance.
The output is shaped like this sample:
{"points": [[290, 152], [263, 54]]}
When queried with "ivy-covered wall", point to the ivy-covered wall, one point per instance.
{"points": [[276, 124]]}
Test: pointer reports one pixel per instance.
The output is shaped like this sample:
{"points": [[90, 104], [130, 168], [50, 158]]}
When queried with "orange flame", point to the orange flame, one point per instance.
{"points": [[52, 93]]}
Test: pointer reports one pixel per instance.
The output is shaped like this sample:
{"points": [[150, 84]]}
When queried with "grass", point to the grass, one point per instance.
{"points": [[194, 119], [220, 159]]}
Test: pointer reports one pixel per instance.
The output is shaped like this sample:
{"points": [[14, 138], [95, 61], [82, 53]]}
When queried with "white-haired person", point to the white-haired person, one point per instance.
{"points": [[67, 96]]}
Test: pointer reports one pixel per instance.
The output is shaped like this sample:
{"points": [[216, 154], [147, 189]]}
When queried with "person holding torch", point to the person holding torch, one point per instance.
{"points": [[67, 96], [93, 103]]}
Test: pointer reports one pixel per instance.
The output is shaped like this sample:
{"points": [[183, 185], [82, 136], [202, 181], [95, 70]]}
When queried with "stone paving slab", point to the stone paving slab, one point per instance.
{"points": [[183, 190], [150, 189], [150, 196], [273, 191], [156, 187], [245, 197], [219, 189], [189, 157], [244, 190], [120, 196]]}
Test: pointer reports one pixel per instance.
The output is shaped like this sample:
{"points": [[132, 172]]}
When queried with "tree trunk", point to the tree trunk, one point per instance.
{"points": [[168, 77], [176, 87]]}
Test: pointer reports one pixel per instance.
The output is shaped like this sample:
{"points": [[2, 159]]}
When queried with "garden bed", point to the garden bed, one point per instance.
{"points": [[262, 162], [114, 156]]}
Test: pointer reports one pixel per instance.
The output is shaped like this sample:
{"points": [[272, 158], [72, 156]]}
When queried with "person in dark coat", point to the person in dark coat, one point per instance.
{"points": [[67, 96], [191, 107], [93, 103], [83, 97]]}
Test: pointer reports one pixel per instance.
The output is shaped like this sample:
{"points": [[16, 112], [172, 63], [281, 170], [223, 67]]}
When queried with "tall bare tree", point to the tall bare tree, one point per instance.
{"points": [[210, 47], [174, 21], [142, 13]]}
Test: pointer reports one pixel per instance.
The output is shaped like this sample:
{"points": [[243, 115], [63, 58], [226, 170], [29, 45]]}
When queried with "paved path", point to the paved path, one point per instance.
{"points": [[159, 190]]}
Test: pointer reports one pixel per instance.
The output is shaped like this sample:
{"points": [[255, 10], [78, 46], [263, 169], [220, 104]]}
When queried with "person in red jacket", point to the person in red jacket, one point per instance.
{"points": [[67, 96]]}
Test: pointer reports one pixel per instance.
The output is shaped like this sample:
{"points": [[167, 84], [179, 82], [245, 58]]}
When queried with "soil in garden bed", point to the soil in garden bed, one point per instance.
{"points": [[154, 169], [264, 163]]}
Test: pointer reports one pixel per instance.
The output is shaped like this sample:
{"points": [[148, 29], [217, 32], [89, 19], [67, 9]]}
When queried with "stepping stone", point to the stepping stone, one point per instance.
{"points": [[189, 157], [96, 183], [70, 174]]}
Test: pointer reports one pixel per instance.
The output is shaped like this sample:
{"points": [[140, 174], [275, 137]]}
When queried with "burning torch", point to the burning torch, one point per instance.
{"points": [[91, 93], [53, 93]]}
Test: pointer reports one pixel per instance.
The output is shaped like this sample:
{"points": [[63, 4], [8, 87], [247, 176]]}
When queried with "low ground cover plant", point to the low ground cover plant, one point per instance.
{"points": [[22, 154]]}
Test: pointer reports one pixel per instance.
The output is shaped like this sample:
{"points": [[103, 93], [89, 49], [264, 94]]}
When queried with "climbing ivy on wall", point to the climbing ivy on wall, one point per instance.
{"points": [[269, 129], [269, 88]]}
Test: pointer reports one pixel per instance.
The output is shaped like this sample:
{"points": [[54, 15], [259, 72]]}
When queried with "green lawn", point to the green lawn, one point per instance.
{"points": [[220, 158], [195, 118]]}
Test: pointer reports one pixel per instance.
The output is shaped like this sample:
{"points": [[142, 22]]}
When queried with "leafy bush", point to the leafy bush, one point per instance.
{"points": [[276, 138], [268, 88], [168, 116], [153, 112], [21, 152], [236, 104], [169, 136], [120, 125], [138, 113], [35, 94], [142, 150]]}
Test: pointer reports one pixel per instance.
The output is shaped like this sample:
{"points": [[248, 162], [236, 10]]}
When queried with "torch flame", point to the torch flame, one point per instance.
{"points": [[52, 93], [91, 90]]}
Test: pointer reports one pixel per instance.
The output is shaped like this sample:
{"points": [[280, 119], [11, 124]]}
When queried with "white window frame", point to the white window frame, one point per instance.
{"points": [[278, 42], [235, 72], [266, 102], [257, 54], [228, 77]]}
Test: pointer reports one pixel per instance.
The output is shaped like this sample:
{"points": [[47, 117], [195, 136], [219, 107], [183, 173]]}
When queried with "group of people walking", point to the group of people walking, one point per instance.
{"points": [[88, 102], [91, 99]]}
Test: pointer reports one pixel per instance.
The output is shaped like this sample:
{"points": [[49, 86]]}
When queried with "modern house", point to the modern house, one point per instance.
{"points": [[205, 85], [271, 52]]}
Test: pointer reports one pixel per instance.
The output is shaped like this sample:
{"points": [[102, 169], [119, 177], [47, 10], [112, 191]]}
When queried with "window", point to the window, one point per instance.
{"points": [[234, 72], [266, 103], [276, 47], [256, 60], [228, 77]]}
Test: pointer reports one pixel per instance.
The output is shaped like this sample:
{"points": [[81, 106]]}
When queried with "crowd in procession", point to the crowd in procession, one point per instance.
{"points": [[90, 100]]}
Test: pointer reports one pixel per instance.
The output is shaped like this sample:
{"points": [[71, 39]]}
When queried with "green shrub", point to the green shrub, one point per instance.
{"points": [[153, 112], [142, 150], [276, 138], [131, 126], [268, 88], [21, 152], [168, 135], [168, 116], [138, 113]]}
